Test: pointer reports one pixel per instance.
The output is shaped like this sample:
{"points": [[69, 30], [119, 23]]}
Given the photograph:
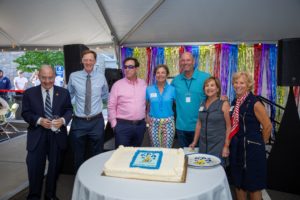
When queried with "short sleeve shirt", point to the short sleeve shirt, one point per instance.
{"points": [[189, 96], [160, 103]]}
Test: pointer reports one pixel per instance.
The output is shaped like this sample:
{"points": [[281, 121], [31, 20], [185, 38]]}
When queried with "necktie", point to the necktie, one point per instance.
{"points": [[88, 94], [48, 107]]}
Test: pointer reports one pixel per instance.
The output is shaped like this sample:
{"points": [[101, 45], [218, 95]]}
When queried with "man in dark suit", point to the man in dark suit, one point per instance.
{"points": [[47, 109]]}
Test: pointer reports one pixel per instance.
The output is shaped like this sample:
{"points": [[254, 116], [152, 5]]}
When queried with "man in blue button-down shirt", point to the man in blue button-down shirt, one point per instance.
{"points": [[87, 126]]}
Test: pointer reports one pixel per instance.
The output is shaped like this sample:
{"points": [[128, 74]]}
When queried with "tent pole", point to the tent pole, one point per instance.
{"points": [[7, 36], [111, 28], [142, 20], [118, 54]]}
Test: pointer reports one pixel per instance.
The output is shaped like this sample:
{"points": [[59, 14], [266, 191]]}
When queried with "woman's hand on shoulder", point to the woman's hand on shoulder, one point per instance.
{"points": [[224, 98]]}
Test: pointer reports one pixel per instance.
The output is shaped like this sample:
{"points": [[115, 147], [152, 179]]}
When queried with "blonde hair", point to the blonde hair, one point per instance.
{"points": [[248, 79]]}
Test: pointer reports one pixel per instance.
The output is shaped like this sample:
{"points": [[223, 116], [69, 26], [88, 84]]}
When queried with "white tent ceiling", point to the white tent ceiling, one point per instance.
{"points": [[54, 23]]}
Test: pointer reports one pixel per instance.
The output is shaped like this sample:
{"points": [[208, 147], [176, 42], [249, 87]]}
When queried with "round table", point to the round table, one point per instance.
{"points": [[90, 184]]}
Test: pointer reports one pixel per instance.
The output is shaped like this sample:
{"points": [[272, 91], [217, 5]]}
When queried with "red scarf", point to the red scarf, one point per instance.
{"points": [[235, 116]]}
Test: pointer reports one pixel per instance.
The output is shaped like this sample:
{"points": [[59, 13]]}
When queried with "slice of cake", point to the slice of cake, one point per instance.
{"points": [[160, 164]]}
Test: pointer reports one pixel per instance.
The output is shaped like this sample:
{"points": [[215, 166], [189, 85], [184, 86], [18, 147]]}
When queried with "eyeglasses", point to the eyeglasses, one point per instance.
{"points": [[88, 60], [129, 67], [44, 78]]}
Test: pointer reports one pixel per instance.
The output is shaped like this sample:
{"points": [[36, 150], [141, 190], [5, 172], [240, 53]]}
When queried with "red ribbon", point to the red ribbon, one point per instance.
{"points": [[21, 91]]}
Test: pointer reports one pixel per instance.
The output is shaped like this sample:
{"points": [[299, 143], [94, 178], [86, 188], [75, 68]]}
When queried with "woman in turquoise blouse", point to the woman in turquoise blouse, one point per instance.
{"points": [[160, 98]]}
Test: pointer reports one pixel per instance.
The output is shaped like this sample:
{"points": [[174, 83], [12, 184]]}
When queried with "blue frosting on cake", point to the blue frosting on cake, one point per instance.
{"points": [[146, 159]]}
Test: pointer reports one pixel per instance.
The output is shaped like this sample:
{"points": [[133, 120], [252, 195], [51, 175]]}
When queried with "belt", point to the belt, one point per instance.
{"points": [[132, 122], [89, 118]]}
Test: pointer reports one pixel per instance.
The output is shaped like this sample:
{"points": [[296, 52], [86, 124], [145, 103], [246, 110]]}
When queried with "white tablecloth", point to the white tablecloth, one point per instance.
{"points": [[208, 184]]}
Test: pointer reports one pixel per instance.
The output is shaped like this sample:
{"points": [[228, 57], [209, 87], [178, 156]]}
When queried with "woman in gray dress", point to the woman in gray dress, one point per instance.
{"points": [[213, 125]]}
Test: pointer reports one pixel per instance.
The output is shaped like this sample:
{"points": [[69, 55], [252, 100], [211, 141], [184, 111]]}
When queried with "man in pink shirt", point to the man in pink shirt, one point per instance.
{"points": [[127, 106]]}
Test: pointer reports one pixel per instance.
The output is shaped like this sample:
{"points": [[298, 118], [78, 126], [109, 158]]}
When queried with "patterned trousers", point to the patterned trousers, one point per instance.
{"points": [[162, 132]]}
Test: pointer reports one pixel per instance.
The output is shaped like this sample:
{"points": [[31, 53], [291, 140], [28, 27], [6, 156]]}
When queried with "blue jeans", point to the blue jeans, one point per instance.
{"points": [[185, 138]]}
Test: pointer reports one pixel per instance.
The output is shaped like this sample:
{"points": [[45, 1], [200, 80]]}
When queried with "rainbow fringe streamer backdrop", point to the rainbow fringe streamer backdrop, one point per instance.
{"points": [[222, 61]]}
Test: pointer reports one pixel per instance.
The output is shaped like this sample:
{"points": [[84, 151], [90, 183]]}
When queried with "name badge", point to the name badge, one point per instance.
{"points": [[201, 108], [153, 95], [188, 99], [231, 108]]}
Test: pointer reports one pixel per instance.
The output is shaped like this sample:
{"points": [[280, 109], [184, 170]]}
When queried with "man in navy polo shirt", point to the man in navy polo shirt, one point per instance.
{"points": [[4, 85]]}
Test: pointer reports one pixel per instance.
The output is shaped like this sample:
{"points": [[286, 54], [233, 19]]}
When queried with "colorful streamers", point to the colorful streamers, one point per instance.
{"points": [[233, 63], [257, 66], [126, 52], [222, 61], [271, 76], [149, 52], [224, 68], [206, 58], [140, 55], [217, 60], [195, 52], [246, 58], [172, 60]]}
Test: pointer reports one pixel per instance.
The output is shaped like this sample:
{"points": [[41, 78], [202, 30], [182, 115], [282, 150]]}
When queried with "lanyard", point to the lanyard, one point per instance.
{"points": [[188, 85]]}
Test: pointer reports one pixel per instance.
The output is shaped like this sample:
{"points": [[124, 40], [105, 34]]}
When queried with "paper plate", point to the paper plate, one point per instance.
{"points": [[202, 160]]}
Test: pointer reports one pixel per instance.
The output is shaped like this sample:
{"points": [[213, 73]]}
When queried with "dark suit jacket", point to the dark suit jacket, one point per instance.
{"points": [[33, 109]]}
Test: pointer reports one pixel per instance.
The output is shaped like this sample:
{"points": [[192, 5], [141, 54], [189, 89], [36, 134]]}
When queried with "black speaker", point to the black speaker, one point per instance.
{"points": [[288, 64], [72, 53], [112, 75]]}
